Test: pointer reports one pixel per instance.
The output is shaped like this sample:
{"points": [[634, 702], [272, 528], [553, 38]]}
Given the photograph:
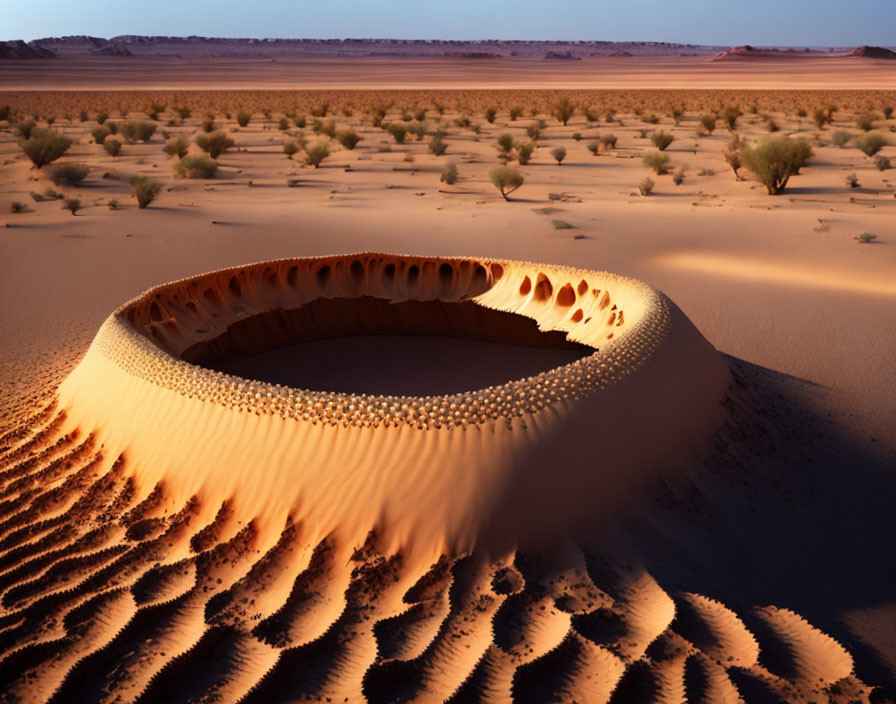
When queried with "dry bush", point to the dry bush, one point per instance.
{"points": [[99, 133], [325, 127], [732, 155], [652, 119], [505, 144], [506, 179], [852, 181], [524, 152], [215, 143], [397, 130], [646, 186], [136, 130], [515, 112], [708, 122], [490, 114], [559, 154], [112, 146], [608, 141], [69, 175], [593, 147], [533, 131], [291, 147], [44, 147], [657, 161], [564, 109], [729, 117], [437, 145], [176, 147], [882, 163], [25, 128], [208, 124], [865, 122], [243, 118], [870, 144], [840, 138], [661, 140], [449, 174], [316, 153], [678, 176], [144, 190], [72, 205], [348, 138], [196, 166], [775, 159]]}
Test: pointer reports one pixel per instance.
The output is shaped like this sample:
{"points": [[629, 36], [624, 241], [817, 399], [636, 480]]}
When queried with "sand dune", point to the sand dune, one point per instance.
{"points": [[169, 532]]}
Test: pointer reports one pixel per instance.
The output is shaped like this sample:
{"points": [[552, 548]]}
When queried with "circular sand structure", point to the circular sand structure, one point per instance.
{"points": [[448, 472], [177, 528]]}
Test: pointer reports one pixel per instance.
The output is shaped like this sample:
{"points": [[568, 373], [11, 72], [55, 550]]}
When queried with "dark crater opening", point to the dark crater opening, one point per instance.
{"points": [[373, 346]]}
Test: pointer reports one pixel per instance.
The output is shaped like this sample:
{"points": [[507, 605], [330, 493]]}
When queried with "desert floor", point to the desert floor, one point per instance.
{"points": [[778, 284]]}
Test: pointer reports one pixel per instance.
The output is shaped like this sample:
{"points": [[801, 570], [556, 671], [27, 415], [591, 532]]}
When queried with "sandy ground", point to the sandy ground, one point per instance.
{"points": [[792, 515], [460, 74]]}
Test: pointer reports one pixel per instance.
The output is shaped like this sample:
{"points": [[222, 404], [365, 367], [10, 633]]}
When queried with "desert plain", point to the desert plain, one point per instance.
{"points": [[760, 569]]}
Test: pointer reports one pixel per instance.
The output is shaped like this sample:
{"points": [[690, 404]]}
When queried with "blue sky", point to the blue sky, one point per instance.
{"points": [[726, 22]]}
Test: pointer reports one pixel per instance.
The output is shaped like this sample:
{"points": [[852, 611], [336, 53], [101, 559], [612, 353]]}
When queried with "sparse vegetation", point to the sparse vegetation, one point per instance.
{"points": [[646, 186], [176, 147], [657, 161], [136, 130], [243, 118], [214, 144], [840, 138], [112, 146], [852, 181], [661, 140], [348, 138], [72, 205], [44, 147], [437, 145], [871, 143], [196, 166], [733, 157], [316, 153], [564, 110], [678, 176], [559, 154], [608, 141], [99, 134], [524, 152], [506, 179], [291, 147], [449, 174], [397, 130], [708, 123], [775, 159], [67, 175], [882, 163], [144, 190], [866, 238], [865, 122]]}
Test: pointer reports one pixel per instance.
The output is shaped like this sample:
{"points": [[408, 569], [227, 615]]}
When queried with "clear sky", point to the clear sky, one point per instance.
{"points": [[724, 22]]}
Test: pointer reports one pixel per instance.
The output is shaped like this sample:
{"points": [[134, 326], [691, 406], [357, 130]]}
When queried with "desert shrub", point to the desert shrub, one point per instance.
{"points": [[113, 204], [397, 130], [730, 115], [182, 111], [419, 129], [609, 141], [72, 205], [316, 153], [25, 128], [5, 112], [865, 122], [657, 161], [420, 114], [463, 122], [321, 109], [888, 112], [593, 147], [48, 194], [348, 138], [533, 130], [176, 147], [577, 136], [18, 207], [506, 179], [145, 190], [678, 176], [652, 119], [99, 134], [101, 117], [882, 162], [564, 110], [820, 117], [732, 156], [291, 147], [283, 125], [325, 127], [196, 166], [773, 126], [515, 112], [559, 154], [300, 121], [152, 112], [490, 114], [677, 114], [801, 112], [136, 130], [870, 144], [661, 140], [865, 238], [449, 174], [44, 147], [646, 186], [69, 175], [437, 145], [208, 124], [852, 181], [215, 143], [112, 146], [505, 143], [775, 159], [840, 138], [242, 118], [610, 116], [524, 152], [708, 122], [642, 133]]}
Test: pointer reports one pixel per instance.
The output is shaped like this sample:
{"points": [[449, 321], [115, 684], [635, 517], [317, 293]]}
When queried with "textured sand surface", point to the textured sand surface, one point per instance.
{"points": [[156, 546]]}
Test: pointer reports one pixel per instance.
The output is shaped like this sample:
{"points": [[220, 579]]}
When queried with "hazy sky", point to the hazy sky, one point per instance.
{"points": [[726, 22]]}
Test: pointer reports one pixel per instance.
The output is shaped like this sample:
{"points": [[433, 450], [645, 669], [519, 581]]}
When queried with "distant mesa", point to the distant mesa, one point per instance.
{"points": [[562, 56], [20, 50], [873, 52], [111, 49], [619, 54]]}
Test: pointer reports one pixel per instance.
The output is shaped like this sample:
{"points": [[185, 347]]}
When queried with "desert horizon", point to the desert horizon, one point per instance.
{"points": [[448, 370]]}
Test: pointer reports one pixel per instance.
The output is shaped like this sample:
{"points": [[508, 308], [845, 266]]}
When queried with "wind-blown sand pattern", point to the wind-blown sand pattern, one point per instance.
{"points": [[171, 533]]}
